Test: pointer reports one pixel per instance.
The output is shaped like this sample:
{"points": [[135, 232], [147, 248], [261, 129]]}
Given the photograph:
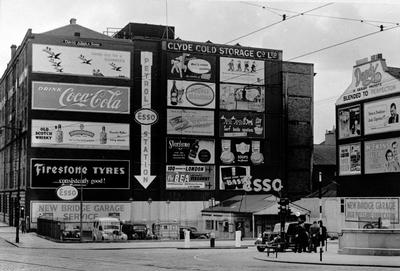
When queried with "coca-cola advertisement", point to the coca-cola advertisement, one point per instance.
{"points": [[241, 124], [80, 97], [186, 151], [95, 174], [192, 67]]}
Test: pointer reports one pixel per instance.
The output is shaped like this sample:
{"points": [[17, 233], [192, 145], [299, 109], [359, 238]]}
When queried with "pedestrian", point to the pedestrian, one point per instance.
{"points": [[314, 236], [23, 226]]}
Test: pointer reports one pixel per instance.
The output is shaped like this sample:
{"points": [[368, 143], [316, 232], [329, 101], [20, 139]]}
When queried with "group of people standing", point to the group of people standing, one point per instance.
{"points": [[309, 240]]}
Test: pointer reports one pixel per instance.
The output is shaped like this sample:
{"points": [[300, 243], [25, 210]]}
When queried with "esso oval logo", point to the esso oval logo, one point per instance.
{"points": [[67, 192], [146, 116]]}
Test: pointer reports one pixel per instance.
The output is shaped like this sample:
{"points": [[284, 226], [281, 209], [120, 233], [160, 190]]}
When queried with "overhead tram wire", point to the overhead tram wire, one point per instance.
{"points": [[268, 26]]}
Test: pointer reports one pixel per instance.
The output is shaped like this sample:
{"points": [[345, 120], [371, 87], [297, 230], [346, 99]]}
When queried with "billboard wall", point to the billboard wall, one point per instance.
{"points": [[350, 159], [81, 135], [81, 61], [382, 156], [382, 116], [80, 97]]}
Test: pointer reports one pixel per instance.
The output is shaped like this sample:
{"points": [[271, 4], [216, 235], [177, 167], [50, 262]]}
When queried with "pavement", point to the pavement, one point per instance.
{"points": [[330, 256]]}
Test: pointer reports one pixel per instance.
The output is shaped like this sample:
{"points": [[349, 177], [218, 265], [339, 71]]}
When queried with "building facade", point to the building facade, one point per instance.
{"points": [[148, 127]]}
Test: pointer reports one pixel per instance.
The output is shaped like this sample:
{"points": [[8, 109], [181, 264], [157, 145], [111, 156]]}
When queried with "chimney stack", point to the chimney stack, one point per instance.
{"points": [[13, 50], [72, 21]]}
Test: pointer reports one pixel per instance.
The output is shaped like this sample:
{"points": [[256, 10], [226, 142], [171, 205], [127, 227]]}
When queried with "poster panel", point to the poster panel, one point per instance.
{"points": [[190, 122], [349, 122], [81, 135], [242, 71], [191, 94], [372, 209], [350, 159], [187, 151], [93, 174], [241, 151], [242, 97], [381, 116], [382, 156], [81, 61], [70, 210], [233, 177], [191, 67], [79, 97], [190, 177], [241, 124]]}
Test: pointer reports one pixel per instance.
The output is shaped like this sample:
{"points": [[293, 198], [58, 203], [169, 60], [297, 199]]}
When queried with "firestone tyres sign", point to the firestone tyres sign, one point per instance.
{"points": [[79, 97], [92, 174]]}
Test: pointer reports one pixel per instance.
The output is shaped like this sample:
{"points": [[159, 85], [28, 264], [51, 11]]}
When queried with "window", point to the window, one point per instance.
{"points": [[209, 224]]}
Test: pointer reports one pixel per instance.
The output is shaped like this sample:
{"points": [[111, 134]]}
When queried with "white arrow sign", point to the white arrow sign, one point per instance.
{"points": [[145, 178]]}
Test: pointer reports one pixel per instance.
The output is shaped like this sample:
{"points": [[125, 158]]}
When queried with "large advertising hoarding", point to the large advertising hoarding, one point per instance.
{"points": [[81, 135], [349, 122], [80, 97], [382, 116], [190, 122], [241, 71], [241, 124], [70, 211], [241, 151], [233, 177], [242, 97], [92, 174], [191, 94], [372, 209], [186, 151], [191, 67], [350, 159], [190, 177], [382, 156], [80, 61]]}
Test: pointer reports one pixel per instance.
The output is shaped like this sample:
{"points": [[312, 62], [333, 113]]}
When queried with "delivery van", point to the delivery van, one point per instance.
{"points": [[107, 228]]}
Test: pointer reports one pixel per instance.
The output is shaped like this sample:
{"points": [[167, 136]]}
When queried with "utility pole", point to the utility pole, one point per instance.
{"points": [[320, 215]]}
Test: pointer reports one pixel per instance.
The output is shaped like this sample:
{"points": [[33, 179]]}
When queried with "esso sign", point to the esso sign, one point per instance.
{"points": [[67, 192], [266, 185], [146, 116]]}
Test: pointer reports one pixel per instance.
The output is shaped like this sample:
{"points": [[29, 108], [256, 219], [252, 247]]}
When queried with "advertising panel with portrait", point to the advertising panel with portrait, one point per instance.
{"points": [[242, 97], [381, 116], [382, 156], [194, 177], [349, 122], [190, 122], [191, 94], [350, 159], [66, 60], [187, 151], [191, 67], [81, 135], [242, 71]]}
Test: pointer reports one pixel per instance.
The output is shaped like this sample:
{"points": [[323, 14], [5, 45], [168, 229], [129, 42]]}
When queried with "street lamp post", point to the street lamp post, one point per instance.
{"points": [[17, 204]]}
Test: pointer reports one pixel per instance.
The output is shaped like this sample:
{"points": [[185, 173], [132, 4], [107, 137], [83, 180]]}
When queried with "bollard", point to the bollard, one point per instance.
{"points": [[212, 239], [238, 237], [187, 238]]}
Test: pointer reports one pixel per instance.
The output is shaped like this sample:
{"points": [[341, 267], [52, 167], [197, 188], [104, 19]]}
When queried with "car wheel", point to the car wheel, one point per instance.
{"points": [[261, 249], [203, 237]]}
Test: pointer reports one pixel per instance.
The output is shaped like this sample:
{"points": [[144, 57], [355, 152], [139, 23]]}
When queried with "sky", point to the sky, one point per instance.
{"points": [[300, 37]]}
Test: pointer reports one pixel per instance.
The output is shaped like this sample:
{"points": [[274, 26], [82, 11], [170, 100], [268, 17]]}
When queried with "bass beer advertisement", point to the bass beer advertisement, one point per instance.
{"points": [[242, 97], [190, 177], [241, 124], [81, 135], [382, 156], [92, 174], [81, 61], [186, 151], [233, 177]]}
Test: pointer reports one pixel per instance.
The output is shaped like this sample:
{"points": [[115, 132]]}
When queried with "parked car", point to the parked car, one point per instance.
{"points": [[194, 233], [71, 233], [135, 231], [273, 238], [107, 228]]}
